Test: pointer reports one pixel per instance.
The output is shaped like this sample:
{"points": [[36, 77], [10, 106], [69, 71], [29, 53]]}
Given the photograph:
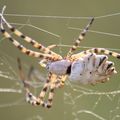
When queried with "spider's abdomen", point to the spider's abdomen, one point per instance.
{"points": [[59, 67], [91, 68]]}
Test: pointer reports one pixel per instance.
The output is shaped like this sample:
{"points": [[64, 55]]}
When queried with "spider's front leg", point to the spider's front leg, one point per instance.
{"points": [[80, 38], [97, 51], [104, 51], [26, 38], [48, 54]]}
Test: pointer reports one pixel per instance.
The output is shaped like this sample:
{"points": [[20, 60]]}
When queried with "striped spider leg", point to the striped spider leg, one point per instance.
{"points": [[25, 50], [60, 81], [43, 62], [26, 38], [34, 43], [97, 51], [80, 38]]}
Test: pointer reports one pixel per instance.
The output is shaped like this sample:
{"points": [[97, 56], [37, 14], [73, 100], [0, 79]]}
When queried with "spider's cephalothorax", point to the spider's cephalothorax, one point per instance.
{"points": [[60, 67], [86, 67]]}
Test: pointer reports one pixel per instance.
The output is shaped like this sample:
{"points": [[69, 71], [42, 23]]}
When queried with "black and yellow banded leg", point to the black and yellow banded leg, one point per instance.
{"points": [[28, 39], [48, 104], [43, 62], [60, 81], [52, 90], [51, 84], [40, 99], [44, 90], [25, 50], [104, 51], [80, 38], [97, 51]]}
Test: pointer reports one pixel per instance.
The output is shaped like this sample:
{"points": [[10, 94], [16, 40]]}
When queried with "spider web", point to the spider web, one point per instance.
{"points": [[99, 102]]}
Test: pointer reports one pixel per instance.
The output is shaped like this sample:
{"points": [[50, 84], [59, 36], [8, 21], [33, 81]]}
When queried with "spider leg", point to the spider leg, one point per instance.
{"points": [[55, 82], [49, 83], [80, 38], [97, 51], [27, 38], [25, 50], [58, 82], [61, 81], [44, 91], [44, 61], [34, 43], [30, 98], [48, 104], [104, 51]]}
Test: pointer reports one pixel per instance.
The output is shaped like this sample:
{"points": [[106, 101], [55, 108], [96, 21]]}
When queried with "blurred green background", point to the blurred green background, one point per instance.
{"points": [[74, 101]]}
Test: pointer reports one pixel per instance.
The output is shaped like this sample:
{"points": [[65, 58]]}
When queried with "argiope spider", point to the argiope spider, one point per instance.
{"points": [[87, 67]]}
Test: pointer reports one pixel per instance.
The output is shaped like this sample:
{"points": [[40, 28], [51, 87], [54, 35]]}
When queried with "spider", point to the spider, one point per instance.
{"points": [[87, 67]]}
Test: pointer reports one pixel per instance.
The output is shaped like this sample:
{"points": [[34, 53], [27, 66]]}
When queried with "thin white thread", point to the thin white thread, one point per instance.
{"points": [[61, 45], [8, 90], [62, 17], [43, 16], [30, 25], [91, 113], [98, 32]]}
